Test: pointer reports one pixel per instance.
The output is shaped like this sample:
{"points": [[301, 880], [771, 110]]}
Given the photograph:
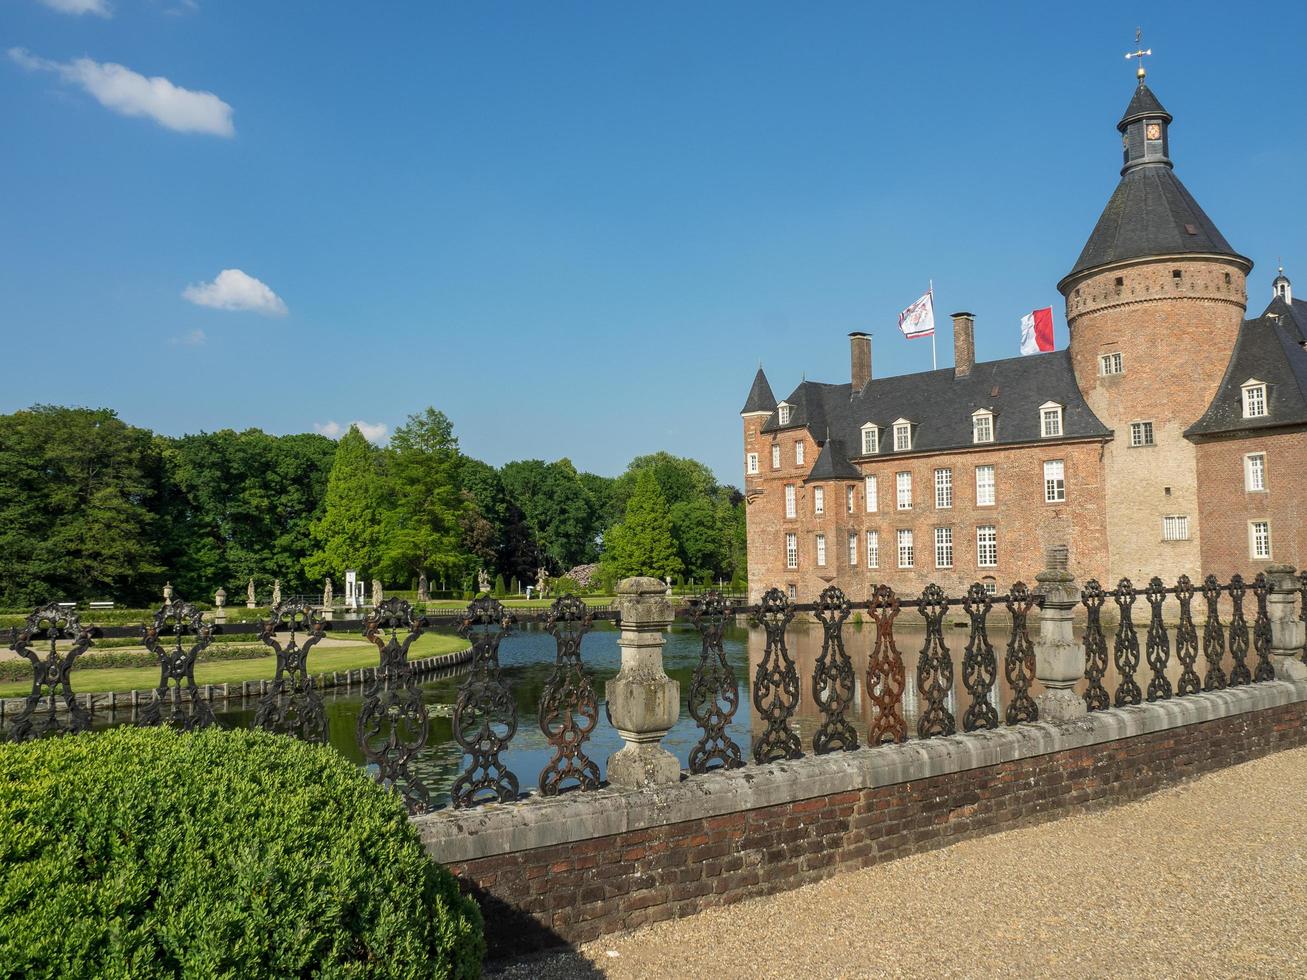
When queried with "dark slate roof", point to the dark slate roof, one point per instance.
{"points": [[1269, 349], [1144, 103], [940, 405], [1150, 213], [833, 463], [760, 397]]}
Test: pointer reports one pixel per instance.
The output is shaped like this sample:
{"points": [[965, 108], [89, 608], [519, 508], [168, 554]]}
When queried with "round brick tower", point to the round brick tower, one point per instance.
{"points": [[1154, 305]]}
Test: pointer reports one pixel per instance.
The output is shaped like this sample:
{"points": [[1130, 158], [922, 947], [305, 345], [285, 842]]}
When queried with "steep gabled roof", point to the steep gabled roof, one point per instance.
{"points": [[833, 464], [1269, 349], [760, 397]]}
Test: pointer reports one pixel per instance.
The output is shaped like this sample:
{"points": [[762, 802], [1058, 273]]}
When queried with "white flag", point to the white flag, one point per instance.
{"points": [[918, 320]]}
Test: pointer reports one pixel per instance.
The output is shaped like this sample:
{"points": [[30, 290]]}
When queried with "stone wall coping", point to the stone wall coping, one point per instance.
{"points": [[463, 835]]}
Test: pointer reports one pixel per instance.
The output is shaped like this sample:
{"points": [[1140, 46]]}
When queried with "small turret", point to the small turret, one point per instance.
{"points": [[1281, 288]]}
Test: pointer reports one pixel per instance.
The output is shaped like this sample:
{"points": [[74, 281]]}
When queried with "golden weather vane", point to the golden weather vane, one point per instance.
{"points": [[1139, 33]]}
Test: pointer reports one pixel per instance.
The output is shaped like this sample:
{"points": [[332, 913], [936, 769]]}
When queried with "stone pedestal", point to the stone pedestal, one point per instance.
{"points": [[1287, 630], [643, 702], [1059, 659]]}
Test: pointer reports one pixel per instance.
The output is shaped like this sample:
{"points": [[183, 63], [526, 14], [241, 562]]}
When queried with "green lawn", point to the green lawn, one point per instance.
{"points": [[234, 671]]}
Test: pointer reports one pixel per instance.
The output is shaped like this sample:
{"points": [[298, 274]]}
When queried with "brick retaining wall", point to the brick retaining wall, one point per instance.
{"points": [[590, 884]]}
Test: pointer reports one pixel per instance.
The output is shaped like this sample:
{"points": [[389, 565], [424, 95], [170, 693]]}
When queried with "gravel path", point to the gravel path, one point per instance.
{"points": [[1208, 879]]}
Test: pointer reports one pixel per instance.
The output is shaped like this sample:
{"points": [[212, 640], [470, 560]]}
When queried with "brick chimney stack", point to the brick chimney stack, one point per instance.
{"points": [[860, 359], [964, 344]]}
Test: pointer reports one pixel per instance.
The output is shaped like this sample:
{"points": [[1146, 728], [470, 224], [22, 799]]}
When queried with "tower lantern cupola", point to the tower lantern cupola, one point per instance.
{"points": [[1144, 127], [1281, 287]]}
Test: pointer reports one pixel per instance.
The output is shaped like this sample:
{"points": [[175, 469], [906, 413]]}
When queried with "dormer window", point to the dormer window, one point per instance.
{"points": [[870, 440], [783, 412], [1254, 399], [1050, 420], [982, 426], [902, 435]]}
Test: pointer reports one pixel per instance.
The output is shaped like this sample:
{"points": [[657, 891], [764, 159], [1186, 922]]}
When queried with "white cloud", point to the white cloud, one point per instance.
{"points": [[126, 92], [372, 431], [234, 290], [79, 7], [193, 339]]}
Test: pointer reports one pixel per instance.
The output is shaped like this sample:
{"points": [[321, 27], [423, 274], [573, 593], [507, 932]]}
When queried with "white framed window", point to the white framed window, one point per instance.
{"points": [[751, 463], [1110, 364], [1054, 481], [943, 489], [798, 453], [902, 435], [982, 426], [873, 549], [870, 440], [1254, 472], [1141, 434], [776, 455], [783, 413], [821, 551], [903, 488], [1175, 527], [793, 590], [1254, 399], [905, 547], [849, 495], [791, 550], [818, 500], [853, 549], [1259, 539], [1050, 420], [987, 546], [790, 506], [991, 588], [943, 547], [873, 504], [985, 485]]}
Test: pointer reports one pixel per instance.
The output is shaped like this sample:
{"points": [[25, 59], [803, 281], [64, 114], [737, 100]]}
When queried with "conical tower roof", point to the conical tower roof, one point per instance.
{"points": [[760, 397]]}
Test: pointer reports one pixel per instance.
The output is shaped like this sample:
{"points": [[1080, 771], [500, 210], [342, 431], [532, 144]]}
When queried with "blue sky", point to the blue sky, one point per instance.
{"points": [[577, 228]]}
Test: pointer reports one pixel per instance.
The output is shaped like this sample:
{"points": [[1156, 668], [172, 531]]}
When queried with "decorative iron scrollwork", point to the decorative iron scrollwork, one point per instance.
{"points": [[1239, 672], [1213, 637], [886, 676], [569, 707], [1158, 649], [1186, 639], [934, 667], [1125, 647], [832, 681], [1093, 597], [775, 683], [393, 722], [979, 664], [174, 705], [293, 705], [51, 676], [1019, 661], [1262, 630], [485, 714], [714, 692]]}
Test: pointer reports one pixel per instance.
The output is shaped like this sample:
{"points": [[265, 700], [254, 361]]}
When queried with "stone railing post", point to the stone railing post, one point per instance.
{"points": [[1059, 659], [643, 702], [1287, 630]]}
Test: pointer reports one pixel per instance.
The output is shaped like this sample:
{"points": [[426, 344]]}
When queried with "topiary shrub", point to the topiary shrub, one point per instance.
{"points": [[151, 853]]}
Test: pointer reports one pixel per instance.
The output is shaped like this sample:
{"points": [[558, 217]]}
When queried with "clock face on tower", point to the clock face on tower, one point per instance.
{"points": [[1153, 131]]}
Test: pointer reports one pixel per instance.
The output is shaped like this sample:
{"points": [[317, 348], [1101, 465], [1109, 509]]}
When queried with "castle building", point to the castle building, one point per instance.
{"points": [[1162, 441]]}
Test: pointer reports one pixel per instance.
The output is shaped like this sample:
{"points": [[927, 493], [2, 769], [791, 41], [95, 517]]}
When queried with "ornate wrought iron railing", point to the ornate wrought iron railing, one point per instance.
{"points": [[393, 722]]}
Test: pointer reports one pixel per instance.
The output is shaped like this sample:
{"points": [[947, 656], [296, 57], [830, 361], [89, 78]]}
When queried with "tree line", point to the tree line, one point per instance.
{"points": [[94, 508]]}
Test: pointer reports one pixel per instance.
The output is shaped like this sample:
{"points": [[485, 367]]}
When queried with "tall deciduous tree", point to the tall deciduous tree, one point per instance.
{"points": [[351, 531], [559, 510], [643, 543]]}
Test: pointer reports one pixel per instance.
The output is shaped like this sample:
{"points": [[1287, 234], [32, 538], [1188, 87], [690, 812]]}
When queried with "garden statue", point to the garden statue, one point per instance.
{"points": [[376, 592], [249, 594], [483, 581], [542, 582], [423, 593], [167, 592], [220, 597], [326, 594], [276, 592]]}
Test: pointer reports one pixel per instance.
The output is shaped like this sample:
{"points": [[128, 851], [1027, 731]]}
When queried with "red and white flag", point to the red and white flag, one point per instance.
{"points": [[1037, 331], [918, 320]]}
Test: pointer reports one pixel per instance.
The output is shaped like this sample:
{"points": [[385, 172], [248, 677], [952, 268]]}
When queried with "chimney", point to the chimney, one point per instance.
{"points": [[860, 358], [964, 344]]}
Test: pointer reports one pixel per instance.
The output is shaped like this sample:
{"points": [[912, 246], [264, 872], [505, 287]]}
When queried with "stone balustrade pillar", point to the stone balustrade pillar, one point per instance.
{"points": [[643, 702], [1059, 659], [1287, 630]]}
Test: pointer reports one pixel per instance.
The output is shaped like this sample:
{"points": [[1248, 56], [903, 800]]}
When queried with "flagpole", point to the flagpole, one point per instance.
{"points": [[930, 288]]}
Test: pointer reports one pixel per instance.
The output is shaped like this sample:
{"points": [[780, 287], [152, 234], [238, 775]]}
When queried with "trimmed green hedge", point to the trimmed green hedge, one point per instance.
{"points": [[21, 668], [151, 853]]}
